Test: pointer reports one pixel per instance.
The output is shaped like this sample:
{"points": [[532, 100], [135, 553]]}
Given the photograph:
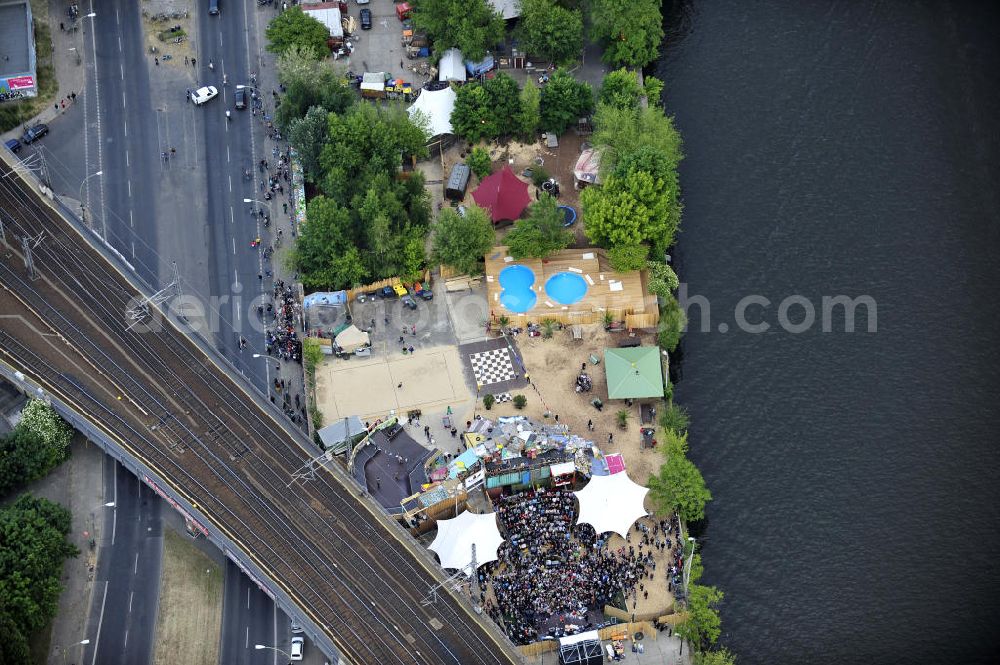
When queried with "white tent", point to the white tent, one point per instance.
{"points": [[611, 503], [451, 67], [437, 105], [456, 537], [352, 338]]}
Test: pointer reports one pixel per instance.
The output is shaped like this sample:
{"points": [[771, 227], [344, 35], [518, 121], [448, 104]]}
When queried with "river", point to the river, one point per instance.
{"points": [[844, 148]]}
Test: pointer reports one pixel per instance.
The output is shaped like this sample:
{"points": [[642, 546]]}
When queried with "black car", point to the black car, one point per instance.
{"points": [[366, 19], [387, 292], [241, 97], [13, 145], [35, 133]]}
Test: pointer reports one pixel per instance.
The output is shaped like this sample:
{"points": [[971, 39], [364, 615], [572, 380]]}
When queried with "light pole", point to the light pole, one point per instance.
{"points": [[83, 206], [75, 644], [687, 568], [258, 647]]}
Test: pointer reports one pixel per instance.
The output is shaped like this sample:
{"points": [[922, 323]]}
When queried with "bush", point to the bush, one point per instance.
{"points": [[548, 326], [520, 401], [675, 418], [480, 163], [672, 324], [622, 418], [488, 401], [539, 175]]}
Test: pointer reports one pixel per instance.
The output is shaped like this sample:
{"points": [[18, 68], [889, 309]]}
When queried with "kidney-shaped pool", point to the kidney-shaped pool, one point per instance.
{"points": [[566, 288]]}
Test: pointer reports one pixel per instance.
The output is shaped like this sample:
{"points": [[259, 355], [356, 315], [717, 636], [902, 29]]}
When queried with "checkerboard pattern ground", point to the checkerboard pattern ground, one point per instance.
{"points": [[494, 366]]}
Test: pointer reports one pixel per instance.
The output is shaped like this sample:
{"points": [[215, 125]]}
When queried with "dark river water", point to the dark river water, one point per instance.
{"points": [[844, 148]]}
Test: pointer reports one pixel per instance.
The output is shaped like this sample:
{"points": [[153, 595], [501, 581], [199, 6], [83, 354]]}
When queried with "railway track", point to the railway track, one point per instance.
{"points": [[164, 400]]}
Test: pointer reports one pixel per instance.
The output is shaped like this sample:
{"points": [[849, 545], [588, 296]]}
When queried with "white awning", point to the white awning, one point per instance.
{"points": [[451, 67], [563, 468], [611, 503], [455, 538]]}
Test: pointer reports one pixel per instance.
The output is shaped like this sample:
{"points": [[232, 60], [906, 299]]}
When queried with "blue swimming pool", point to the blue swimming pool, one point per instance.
{"points": [[516, 294], [566, 288]]}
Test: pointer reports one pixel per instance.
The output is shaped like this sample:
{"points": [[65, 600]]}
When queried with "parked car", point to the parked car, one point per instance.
{"points": [[240, 97], [296, 627], [408, 301], [35, 133], [203, 94], [13, 145], [297, 649], [425, 294], [387, 292], [366, 19]]}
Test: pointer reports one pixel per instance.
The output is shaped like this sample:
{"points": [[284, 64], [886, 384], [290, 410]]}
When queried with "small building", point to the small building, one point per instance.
{"points": [[18, 76], [341, 435], [328, 13], [458, 180]]}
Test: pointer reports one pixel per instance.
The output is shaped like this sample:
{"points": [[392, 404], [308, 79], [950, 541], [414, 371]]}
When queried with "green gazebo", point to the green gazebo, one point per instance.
{"points": [[633, 373]]}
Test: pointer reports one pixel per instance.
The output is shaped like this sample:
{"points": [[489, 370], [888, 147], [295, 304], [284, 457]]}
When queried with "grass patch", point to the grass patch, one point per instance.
{"points": [[189, 620], [13, 114]]}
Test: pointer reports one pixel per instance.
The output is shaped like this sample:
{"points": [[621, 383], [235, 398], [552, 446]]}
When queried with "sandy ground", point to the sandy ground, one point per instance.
{"points": [[558, 162], [554, 365], [190, 617], [429, 379]]}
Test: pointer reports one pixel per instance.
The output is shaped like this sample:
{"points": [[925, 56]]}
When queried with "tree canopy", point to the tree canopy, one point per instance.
{"points": [[564, 101], [550, 31], [472, 26], [721, 656], [479, 162], [624, 131], [485, 110], [540, 233], [703, 625], [620, 89], [631, 35], [679, 486], [39, 443], [528, 116], [662, 279], [33, 546], [293, 27], [461, 241], [309, 83]]}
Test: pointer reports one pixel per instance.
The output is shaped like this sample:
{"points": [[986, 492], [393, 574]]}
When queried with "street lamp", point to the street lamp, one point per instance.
{"points": [[75, 644], [258, 647], [83, 206], [687, 568]]}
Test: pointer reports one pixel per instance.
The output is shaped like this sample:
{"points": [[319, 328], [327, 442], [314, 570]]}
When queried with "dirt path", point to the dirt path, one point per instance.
{"points": [[189, 621]]}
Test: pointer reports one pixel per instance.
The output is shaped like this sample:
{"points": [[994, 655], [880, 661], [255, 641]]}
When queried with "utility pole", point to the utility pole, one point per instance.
{"points": [[29, 261]]}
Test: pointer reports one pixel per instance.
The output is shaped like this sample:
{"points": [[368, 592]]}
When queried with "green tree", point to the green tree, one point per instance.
{"points": [[662, 279], [564, 100], [309, 83], [540, 233], [703, 625], [624, 131], [324, 253], [293, 27], [414, 258], [33, 547], [529, 116], [461, 241], [626, 258], [520, 401], [479, 162], [620, 89], [472, 26], [488, 401], [678, 486], [675, 418], [307, 136], [673, 320], [632, 36], [484, 110], [629, 210], [552, 32], [53, 433], [721, 656]]}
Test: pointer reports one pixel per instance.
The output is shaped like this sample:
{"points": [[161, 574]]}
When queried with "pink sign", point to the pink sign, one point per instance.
{"points": [[21, 82], [615, 462]]}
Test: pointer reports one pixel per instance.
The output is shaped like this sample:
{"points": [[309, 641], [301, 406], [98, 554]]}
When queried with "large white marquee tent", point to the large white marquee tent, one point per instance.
{"points": [[611, 503], [437, 105], [456, 537]]}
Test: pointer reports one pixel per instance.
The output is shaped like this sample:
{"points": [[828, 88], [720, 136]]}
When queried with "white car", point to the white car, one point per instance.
{"points": [[298, 646], [202, 95]]}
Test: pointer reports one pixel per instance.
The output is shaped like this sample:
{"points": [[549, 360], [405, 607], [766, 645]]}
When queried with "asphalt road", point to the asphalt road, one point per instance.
{"points": [[249, 617], [122, 621]]}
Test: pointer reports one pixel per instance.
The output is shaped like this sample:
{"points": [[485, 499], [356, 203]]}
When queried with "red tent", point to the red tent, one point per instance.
{"points": [[503, 194]]}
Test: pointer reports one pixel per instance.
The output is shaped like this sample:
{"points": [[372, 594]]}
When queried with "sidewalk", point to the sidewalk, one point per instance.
{"points": [[69, 74]]}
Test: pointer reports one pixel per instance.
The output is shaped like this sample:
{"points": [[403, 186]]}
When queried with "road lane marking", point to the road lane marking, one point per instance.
{"points": [[126, 154], [135, 567], [227, 154], [133, 250], [100, 620], [246, 641], [121, 66], [248, 597], [125, 643], [232, 218], [125, 126], [123, 100], [131, 595], [230, 178], [129, 182], [119, 44], [234, 245], [130, 222]]}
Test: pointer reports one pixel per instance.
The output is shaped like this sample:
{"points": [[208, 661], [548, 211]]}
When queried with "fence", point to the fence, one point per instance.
{"points": [[615, 632]]}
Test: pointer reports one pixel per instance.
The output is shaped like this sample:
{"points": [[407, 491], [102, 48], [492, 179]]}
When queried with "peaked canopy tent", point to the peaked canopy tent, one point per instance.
{"points": [[451, 67], [633, 373], [437, 105], [352, 338], [611, 503], [455, 538], [503, 194]]}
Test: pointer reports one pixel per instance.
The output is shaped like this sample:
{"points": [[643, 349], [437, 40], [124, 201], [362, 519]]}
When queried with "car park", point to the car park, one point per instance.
{"points": [[366, 19], [297, 649], [34, 133], [203, 94], [13, 145], [240, 97]]}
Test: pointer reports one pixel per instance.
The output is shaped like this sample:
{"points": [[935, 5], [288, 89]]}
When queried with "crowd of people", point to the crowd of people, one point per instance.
{"points": [[281, 340], [553, 576]]}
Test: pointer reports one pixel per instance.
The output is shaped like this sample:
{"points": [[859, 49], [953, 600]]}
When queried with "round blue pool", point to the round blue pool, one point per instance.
{"points": [[569, 215], [517, 294], [566, 288]]}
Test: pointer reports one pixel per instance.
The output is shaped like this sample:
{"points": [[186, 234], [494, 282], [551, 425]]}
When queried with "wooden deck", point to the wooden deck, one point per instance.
{"points": [[622, 294]]}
